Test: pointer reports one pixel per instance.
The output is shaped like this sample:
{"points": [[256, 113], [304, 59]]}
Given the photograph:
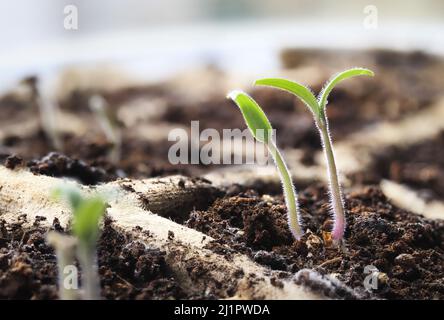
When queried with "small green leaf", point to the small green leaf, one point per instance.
{"points": [[68, 193], [254, 116], [86, 213], [354, 72], [297, 89], [86, 220]]}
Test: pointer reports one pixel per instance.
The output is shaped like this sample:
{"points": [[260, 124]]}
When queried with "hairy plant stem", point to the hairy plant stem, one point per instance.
{"points": [[289, 192], [90, 277], [335, 189]]}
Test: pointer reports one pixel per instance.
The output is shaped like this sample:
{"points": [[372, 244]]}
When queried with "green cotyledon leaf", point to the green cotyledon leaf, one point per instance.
{"points": [[87, 212], [353, 72], [295, 88], [86, 220], [254, 116]]}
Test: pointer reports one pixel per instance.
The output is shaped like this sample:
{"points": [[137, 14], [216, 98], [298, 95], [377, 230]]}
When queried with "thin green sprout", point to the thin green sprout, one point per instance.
{"points": [[87, 214], [318, 107], [262, 131]]}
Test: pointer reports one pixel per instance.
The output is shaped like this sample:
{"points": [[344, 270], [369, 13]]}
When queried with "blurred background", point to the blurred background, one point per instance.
{"points": [[154, 39]]}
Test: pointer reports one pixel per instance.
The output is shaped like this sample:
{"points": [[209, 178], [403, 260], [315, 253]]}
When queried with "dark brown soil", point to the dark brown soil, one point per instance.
{"points": [[87, 160], [420, 166], [404, 83], [15, 106], [58, 165], [78, 100], [406, 248], [128, 269]]}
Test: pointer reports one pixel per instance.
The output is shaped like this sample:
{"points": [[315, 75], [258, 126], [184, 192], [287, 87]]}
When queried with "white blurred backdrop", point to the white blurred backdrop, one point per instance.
{"points": [[156, 38]]}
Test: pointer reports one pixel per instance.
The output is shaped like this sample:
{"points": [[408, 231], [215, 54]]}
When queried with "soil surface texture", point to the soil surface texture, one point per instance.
{"points": [[128, 269], [420, 166], [407, 249]]}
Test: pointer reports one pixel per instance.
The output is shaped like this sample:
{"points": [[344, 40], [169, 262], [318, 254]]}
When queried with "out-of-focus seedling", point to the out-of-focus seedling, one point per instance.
{"points": [[318, 107], [47, 109], [85, 227], [109, 125], [64, 246], [262, 131], [48, 115]]}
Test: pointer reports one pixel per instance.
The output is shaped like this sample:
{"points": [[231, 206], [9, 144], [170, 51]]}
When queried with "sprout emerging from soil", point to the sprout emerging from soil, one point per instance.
{"points": [[65, 251], [318, 107], [85, 227], [48, 111], [108, 123], [262, 131], [48, 114]]}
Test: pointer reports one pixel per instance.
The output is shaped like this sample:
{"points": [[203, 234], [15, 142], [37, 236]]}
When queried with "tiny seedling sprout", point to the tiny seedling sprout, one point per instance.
{"points": [[48, 110], [85, 227], [318, 107], [108, 123], [262, 131], [48, 113]]}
